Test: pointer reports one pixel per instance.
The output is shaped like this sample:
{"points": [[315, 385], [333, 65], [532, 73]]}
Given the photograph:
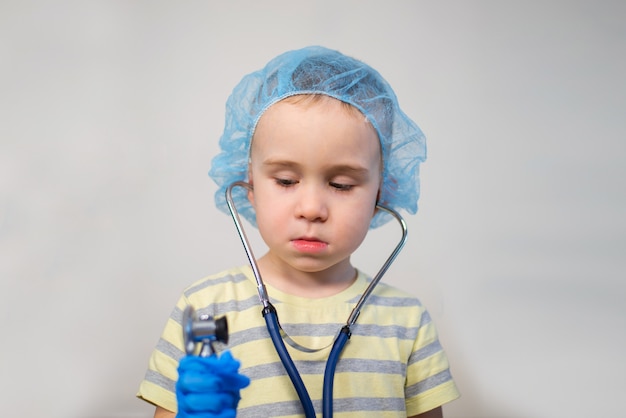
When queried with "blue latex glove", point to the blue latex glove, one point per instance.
{"points": [[208, 387]]}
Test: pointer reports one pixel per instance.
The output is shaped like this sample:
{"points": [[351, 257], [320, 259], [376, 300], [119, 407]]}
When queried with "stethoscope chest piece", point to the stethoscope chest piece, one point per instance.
{"points": [[204, 330]]}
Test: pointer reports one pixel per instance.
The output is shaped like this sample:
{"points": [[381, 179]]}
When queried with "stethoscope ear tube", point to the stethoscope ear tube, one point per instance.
{"points": [[244, 240], [357, 309]]}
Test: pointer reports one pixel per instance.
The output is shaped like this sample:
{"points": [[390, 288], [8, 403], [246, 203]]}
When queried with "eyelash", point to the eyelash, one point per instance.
{"points": [[284, 182], [338, 186], [341, 187]]}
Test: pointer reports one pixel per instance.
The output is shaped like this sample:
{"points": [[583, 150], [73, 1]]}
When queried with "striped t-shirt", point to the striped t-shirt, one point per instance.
{"points": [[392, 366]]}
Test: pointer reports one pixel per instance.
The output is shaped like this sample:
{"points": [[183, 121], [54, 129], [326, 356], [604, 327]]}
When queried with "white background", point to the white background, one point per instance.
{"points": [[110, 112]]}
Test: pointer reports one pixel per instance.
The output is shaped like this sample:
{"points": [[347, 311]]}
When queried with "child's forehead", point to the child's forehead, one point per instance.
{"points": [[318, 101], [302, 110], [310, 129], [311, 99]]}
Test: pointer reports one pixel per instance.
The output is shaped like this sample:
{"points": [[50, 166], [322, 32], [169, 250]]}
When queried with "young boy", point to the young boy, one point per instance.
{"points": [[321, 139]]}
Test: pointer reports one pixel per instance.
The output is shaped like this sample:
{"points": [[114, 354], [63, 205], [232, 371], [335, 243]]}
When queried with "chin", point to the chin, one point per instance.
{"points": [[314, 265]]}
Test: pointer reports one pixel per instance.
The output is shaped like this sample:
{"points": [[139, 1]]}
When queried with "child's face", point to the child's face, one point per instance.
{"points": [[315, 168]]}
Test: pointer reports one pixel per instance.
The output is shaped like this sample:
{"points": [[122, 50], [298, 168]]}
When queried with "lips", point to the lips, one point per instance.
{"points": [[309, 245]]}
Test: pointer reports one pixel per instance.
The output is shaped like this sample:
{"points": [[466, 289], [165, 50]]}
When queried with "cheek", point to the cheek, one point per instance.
{"points": [[258, 196], [265, 205], [359, 217], [356, 232]]}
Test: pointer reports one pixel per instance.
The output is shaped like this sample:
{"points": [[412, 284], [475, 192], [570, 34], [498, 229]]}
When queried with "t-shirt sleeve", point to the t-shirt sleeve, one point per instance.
{"points": [[429, 382], [159, 384]]}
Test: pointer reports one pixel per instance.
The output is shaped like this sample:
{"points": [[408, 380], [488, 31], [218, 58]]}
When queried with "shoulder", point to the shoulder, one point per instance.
{"points": [[386, 293], [229, 285], [225, 277], [390, 305]]}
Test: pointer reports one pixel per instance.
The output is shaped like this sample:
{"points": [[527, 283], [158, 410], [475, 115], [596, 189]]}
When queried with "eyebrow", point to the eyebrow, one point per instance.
{"points": [[339, 168], [280, 163]]}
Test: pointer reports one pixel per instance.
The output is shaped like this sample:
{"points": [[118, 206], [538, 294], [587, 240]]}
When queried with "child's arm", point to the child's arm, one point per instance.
{"points": [[163, 413], [433, 413]]}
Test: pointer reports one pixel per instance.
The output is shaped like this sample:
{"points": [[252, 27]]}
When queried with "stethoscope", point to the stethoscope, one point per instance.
{"points": [[277, 334], [206, 330]]}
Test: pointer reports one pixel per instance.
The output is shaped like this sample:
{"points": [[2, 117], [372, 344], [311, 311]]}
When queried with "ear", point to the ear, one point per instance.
{"points": [[251, 190], [376, 203]]}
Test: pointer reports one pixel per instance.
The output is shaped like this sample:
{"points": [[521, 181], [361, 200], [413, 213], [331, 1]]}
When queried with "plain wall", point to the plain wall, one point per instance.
{"points": [[110, 112]]}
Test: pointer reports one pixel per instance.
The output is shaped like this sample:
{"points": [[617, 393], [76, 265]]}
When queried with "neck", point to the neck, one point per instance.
{"points": [[314, 284]]}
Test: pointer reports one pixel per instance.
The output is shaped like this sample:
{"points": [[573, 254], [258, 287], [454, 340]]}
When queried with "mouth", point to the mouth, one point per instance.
{"points": [[309, 245]]}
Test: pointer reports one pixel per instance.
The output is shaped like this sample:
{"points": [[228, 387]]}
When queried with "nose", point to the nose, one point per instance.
{"points": [[311, 204]]}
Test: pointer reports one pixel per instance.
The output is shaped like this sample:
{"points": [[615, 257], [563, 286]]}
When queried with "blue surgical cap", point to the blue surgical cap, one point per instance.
{"points": [[318, 70]]}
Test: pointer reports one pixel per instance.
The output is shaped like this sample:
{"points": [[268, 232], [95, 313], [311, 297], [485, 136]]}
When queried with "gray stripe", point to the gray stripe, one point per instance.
{"points": [[351, 365], [218, 309], [317, 368], [369, 404], [247, 336], [275, 409], [428, 383], [425, 319], [169, 349], [364, 405], [177, 315], [385, 331], [311, 330], [377, 300], [314, 330], [370, 366], [263, 371], [364, 330], [426, 351], [161, 381], [237, 278]]}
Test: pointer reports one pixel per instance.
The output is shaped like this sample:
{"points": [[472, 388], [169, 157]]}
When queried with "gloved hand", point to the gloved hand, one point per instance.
{"points": [[208, 387]]}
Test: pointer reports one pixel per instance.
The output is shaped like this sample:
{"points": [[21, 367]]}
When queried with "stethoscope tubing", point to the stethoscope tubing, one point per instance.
{"points": [[329, 371], [271, 320]]}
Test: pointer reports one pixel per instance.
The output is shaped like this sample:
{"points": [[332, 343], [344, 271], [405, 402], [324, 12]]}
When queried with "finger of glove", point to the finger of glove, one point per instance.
{"points": [[207, 402], [207, 381], [228, 363], [224, 365], [200, 382], [227, 357], [236, 381], [197, 363]]}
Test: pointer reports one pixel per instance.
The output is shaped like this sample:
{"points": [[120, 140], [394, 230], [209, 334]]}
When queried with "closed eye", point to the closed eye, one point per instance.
{"points": [[341, 187], [285, 182]]}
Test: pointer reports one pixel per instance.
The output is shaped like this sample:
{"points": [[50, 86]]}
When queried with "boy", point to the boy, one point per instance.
{"points": [[320, 138]]}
